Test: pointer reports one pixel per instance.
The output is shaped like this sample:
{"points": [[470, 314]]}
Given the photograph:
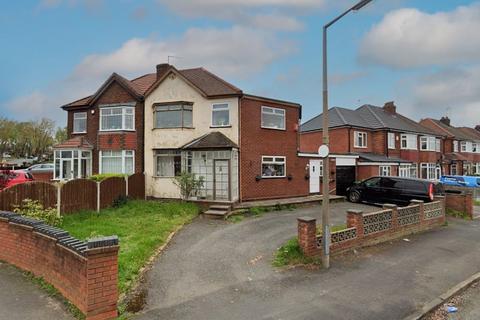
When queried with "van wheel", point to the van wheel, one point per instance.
{"points": [[354, 196]]}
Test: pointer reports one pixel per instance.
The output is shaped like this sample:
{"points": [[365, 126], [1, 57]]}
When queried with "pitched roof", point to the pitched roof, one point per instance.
{"points": [[475, 134], [209, 83], [366, 116], [74, 143], [451, 131], [213, 140]]}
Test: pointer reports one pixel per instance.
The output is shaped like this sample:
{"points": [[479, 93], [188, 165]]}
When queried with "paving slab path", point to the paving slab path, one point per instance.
{"points": [[218, 270], [20, 299]]}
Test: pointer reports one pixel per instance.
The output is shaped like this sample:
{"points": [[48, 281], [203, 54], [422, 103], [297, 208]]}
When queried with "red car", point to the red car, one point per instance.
{"points": [[10, 178]]}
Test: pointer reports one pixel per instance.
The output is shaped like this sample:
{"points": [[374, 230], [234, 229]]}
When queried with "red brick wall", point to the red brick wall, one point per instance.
{"points": [[112, 140], [379, 142], [89, 282], [339, 142], [460, 202], [256, 142]]}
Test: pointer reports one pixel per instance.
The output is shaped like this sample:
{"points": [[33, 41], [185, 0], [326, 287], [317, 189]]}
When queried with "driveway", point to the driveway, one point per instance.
{"points": [[20, 299], [216, 270]]}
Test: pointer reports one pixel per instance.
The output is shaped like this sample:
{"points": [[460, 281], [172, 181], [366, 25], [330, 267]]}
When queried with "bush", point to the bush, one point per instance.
{"points": [[104, 176], [291, 254], [189, 184], [34, 209], [120, 201]]}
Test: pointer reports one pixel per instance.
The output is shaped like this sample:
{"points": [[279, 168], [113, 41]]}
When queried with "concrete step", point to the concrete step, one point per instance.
{"points": [[220, 207], [216, 213]]}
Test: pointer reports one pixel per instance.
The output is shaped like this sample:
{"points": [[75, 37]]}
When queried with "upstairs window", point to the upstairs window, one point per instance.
{"points": [[409, 142], [475, 148], [80, 122], [220, 115], [391, 140], [427, 143], [455, 146], [117, 118], [438, 145], [173, 116], [360, 139], [273, 167], [273, 118]]}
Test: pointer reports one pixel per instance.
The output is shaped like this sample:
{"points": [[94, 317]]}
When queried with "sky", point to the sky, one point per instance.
{"points": [[422, 54]]}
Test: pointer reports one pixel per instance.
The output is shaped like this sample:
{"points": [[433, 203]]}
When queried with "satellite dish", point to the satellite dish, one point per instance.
{"points": [[323, 151]]}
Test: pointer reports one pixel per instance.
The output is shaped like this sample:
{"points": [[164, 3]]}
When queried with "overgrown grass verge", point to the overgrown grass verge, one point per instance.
{"points": [[142, 227], [457, 214], [290, 254]]}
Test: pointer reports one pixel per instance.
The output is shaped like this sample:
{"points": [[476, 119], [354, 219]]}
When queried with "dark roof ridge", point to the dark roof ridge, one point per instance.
{"points": [[337, 109], [369, 108]]}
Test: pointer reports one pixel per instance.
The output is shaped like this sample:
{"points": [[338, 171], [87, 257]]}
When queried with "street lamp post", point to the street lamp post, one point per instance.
{"points": [[326, 141]]}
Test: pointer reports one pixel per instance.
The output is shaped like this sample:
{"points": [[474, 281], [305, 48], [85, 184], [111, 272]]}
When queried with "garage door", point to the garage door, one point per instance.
{"points": [[345, 178]]}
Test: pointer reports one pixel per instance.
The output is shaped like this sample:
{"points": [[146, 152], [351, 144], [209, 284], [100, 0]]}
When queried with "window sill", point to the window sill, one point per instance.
{"points": [[278, 129], [284, 177], [357, 147], [79, 132], [175, 128], [115, 131], [220, 127]]}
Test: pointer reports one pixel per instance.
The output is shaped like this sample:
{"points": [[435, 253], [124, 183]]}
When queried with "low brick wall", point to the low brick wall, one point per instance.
{"points": [[86, 273], [462, 202], [365, 229]]}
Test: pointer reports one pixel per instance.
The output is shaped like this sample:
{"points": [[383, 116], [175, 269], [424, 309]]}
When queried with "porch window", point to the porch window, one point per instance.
{"points": [[360, 139], [80, 122], [117, 118], [273, 118], [121, 162], [72, 164], [173, 116], [273, 167], [385, 171], [220, 115], [168, 163]]}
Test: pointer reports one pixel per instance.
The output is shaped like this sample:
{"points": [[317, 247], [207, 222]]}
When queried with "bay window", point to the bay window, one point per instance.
{"points": [[220, 115], [80, 122], [360, 139], [409, 142], [121, 162], [176, 115], [428, 143], [407, 171], [168, 163], [438, 145], [429, 171], [391, 140], [455, 146], [72, 164], [273, 167], [273, 118], [117, 118]]}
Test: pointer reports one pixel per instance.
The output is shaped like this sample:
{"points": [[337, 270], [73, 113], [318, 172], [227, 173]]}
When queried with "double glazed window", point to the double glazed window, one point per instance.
{"points": [[273, 118], [117, 162], [173, 116], [455, 146], [391, 140], [408, 142], [385, 171], [168, 163], [407, 171], [429, 171], [117, 118], [273, 167], [220, 115], [360, 139], [428, 143], [80, 122]]}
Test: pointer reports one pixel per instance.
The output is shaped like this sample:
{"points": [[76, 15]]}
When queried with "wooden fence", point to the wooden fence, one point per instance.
{"points": [[75, 195]]}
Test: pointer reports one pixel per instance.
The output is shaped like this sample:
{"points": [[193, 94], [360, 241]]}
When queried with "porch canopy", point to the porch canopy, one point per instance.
{"points": [[73, 159]]}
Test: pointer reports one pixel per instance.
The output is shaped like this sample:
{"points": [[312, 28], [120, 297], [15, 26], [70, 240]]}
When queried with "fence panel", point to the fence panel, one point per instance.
{"points": [[80, 194], [44, 192], [110, 190], [136, 186]]}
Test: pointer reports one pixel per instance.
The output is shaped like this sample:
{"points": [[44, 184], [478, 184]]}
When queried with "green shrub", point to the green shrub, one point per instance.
{"points": [[34, 209], [291, 254], [189, 184], [104, 176], [120, 201]]}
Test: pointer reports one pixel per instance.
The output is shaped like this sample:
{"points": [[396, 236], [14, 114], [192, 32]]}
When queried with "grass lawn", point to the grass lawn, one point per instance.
{"points": [[142, 227], [476, 203]]}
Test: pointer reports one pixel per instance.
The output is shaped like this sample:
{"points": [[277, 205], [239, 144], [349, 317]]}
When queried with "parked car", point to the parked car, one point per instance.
{"points": [[461, 181], [395, 190], [41, 168], [10, 178]]}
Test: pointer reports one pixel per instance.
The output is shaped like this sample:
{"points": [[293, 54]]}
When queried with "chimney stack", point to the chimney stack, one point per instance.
{"points": [[445, 120], [390, 107], [161, 69]]}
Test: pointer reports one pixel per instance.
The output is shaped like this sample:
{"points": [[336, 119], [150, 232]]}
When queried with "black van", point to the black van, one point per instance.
{"points": [[394, 190]]}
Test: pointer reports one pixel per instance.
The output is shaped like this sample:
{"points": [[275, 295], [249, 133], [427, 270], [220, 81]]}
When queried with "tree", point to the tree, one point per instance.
{"points": [[61, 135]]}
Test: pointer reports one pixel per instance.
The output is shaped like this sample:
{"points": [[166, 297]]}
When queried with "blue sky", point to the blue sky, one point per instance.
{"points": [[423, 54]]}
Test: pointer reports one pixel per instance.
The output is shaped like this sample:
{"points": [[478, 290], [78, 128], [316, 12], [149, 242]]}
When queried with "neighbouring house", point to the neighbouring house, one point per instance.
{"points": [[244, 146], [461, 145], [105, 131], [371, 141]]}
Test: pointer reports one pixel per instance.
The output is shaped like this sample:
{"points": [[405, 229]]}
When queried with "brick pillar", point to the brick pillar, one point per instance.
{"points": [[394, 209], [469, 204], [422, 208], [355, 219], [307, 236], [102, 278]]}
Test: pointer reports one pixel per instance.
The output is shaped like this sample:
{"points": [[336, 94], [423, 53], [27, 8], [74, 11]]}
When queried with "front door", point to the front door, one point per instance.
{"points": [[221, 180], [315, 176], [66, 169]]}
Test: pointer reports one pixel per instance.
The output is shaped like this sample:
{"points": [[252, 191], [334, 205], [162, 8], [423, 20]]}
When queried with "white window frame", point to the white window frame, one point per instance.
{"points": [[225, 108], [76, 116], [431, 167], [411, 141], [455, 146], [385, 171], [58, 155], [475, 147], [273, 111], [360, 135], [167, 154], [123, 156], [463, 146], [284, 162], [124, 113], [184, 107], [430, 143], [438, 145], [405, 170], [391, 140]]}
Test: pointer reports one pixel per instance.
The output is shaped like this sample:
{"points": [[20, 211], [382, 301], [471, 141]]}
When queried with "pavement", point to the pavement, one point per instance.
{"points": [[220, 270], [21, 299]]}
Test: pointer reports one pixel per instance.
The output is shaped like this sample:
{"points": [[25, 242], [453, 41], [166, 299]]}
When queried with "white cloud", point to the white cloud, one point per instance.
{"points": [[410, 38], [236, 52]]}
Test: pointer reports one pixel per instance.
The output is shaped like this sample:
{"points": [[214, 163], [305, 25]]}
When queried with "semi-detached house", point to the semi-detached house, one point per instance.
{"points": [[163, 123], [370, 141]]}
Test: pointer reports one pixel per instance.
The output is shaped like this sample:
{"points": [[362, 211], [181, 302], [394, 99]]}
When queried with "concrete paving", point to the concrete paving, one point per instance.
{"points": [[217, 270], [20, 299]]}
